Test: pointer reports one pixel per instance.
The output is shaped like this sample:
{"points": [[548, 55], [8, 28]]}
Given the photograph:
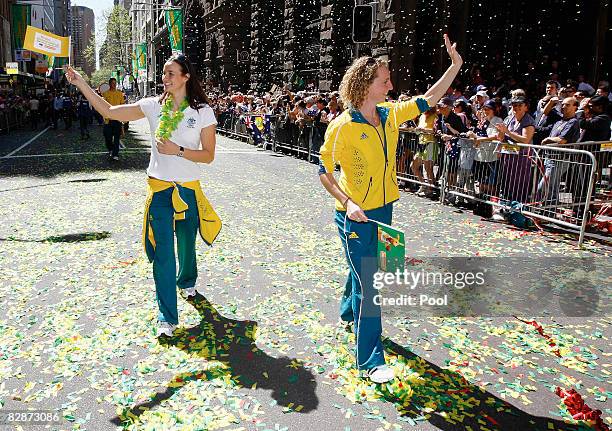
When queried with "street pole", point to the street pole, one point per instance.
{"points": [[152, 55]]}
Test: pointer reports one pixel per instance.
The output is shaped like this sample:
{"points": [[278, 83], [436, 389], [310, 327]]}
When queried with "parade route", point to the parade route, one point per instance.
{"points": [[260, 348]]}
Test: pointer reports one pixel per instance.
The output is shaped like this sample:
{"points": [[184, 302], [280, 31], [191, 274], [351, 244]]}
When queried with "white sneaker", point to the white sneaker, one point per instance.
{"points": [[381, 374], [189, 292], [421, 191], [165, 328]]}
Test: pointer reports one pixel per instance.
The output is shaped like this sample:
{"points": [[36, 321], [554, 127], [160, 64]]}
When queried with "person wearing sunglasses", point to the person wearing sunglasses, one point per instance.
{"points": [[363, 142]]}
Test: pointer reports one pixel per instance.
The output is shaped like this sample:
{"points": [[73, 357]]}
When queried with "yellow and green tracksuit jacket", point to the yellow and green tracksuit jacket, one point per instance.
{"points": [[366, 154], [210, 223]]}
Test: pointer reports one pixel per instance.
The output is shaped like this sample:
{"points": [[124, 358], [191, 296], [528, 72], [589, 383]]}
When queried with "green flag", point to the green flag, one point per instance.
{"points": [[174, 22], [141, 56], [50, 60], [21, 20]]}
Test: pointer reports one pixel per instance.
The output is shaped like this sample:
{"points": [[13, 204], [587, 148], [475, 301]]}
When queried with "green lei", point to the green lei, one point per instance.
{"points": [[169, 119]]}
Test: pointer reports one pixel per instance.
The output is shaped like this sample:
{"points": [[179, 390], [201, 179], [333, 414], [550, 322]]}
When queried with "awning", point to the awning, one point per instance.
{"points": [[30, 75]]}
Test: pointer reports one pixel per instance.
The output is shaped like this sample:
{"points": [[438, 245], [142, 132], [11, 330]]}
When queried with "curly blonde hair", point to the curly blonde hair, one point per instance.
{"points": [[358, 78]]}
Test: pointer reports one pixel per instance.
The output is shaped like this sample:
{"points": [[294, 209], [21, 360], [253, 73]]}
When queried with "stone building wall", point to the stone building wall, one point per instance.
{"points": [[267, 17], [301, 42], [311, 40], [227, 25], [336, 43]]}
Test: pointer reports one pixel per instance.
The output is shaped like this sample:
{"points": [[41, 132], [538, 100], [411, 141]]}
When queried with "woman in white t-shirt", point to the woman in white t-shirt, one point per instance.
{"points": [[486, 141], [182, 135]]}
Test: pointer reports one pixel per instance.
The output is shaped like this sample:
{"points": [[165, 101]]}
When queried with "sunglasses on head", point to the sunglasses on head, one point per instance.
{"points": [[370, 61], [180, 58]]}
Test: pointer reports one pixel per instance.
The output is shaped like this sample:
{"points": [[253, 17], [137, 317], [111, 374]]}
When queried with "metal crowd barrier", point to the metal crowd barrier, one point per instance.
{"points": [[556, 184], [418, 160], [603, 156], [10, 119], [552, 184], [303, 139]]}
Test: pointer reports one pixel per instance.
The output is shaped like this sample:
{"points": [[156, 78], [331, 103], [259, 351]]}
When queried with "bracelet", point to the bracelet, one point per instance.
{"points": [[345, 202]]}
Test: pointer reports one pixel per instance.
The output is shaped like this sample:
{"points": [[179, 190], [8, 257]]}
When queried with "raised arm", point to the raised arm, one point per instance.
{"points": [[131, 112], [436, 91]]}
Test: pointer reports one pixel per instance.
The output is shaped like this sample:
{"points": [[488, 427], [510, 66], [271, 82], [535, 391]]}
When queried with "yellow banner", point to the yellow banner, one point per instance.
{"points": [[46, 43]]}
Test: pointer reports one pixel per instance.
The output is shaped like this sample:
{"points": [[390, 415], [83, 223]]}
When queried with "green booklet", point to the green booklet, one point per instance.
{"points": [[391, 248]]}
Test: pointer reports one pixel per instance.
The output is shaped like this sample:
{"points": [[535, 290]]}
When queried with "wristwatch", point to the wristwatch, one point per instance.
{"points": [[181, 152]]}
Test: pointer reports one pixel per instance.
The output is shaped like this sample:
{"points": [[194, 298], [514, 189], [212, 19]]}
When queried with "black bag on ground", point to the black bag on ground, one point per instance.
{"points": [[483, 209]]}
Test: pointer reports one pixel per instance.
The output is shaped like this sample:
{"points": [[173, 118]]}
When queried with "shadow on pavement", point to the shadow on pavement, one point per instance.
{"points": [[232, 342], [58, 155], [88, 180], [70, 237], [49, 167], [454, 399]]}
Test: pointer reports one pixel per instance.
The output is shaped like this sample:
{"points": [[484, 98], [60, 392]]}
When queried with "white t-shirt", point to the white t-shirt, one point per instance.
{"points": [[487, 151], [187, 134]]}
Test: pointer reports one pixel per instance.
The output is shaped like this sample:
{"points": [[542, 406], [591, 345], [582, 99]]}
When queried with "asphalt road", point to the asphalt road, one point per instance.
{"points": [[260, 348]]}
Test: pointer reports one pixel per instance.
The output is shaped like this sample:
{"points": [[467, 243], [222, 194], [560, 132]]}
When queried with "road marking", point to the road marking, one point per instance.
{"points": [[242, 152], [134, 150], [25, 145]]}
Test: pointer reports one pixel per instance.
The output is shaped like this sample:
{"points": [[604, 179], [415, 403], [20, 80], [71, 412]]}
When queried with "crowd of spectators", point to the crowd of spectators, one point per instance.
{"points": [[471, 127], [299, 118], [13, 109], [474, 126], [53, 109]]}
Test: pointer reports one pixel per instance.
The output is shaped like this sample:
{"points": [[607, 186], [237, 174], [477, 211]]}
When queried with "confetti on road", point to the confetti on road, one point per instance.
{"points": [[259, 348]]}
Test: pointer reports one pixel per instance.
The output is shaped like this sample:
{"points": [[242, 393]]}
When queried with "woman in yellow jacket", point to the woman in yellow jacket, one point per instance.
{"points": [[363, 142], [182, 135]]}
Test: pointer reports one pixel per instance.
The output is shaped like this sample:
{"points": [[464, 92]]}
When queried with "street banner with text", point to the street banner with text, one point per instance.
{"points": [[41, 41]]}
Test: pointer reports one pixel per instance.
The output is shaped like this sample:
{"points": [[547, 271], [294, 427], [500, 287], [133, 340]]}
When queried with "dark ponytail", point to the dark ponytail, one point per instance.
{"points": [[195, 93]]}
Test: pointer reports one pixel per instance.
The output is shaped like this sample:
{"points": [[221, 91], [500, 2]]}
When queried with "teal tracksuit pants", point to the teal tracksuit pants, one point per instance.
{"points": [[161, 215], [357, 303]]}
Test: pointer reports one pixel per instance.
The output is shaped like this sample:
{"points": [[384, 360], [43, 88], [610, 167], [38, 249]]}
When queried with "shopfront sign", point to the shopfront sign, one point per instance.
{"points": [[12, 68]]}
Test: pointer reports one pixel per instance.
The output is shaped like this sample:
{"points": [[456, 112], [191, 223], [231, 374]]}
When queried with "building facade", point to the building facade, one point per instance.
{"points": [[308, 43], [5, 33], [83, 28], [227, 27], [125, 4], [62, 17]]}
